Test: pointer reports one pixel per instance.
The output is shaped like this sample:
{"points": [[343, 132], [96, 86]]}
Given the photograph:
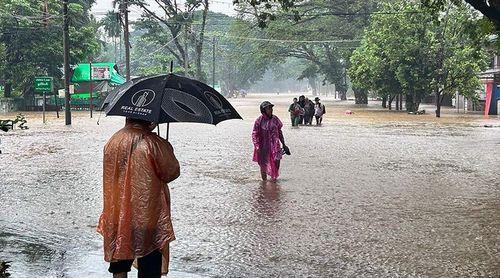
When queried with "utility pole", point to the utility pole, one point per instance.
{"points": [[67, 102], [91, 106], [46, 25], [127, 42], [213, 62], [186, 50]]}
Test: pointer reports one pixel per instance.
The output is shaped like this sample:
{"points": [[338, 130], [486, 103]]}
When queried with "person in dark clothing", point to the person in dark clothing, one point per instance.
{"points": [[308, 111], [302, 103]]}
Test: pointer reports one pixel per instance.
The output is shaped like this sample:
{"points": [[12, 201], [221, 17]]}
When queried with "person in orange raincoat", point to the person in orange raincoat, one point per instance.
{"points": [[135, 221]]}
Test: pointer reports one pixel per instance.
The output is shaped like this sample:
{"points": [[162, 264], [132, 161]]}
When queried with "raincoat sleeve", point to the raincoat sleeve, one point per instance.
{"points": [[255, 134], [165, 163], [279, 123]]}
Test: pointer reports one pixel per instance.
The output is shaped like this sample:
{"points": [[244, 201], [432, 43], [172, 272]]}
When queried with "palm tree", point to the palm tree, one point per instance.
{"points": [[112, 25]]}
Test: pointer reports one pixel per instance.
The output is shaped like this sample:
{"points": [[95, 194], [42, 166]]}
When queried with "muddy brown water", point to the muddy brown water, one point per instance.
{"points": [[372, 194]]}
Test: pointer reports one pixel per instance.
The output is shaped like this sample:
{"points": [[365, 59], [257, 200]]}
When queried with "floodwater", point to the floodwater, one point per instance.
{"points": [[372, 194]]}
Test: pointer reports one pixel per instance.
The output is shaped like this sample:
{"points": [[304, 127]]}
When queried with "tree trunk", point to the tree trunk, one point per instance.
{"points": [[397, 102], [438, 104], [8, 89], [409, 104], [391, 98], [343, 95], [199, 44], [400, 101], [199, 72], [314, 85], [361, 96], [415, 102], [384, 102]]}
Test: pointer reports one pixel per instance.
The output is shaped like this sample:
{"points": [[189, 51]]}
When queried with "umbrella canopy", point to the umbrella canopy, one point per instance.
{"points": [[169, 98]]}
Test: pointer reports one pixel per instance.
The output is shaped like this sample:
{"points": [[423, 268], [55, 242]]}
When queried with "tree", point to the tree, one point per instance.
{"points": [[460, 55], [322, 33], [239, 62], [112, 25], [188, 22], [417, 52], [266, 9], [243, 62], [370, 69], [30, 35], [490, 9]]}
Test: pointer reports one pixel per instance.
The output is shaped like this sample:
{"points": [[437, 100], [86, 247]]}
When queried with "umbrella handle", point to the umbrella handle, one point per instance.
{"points": [[168, 129]]}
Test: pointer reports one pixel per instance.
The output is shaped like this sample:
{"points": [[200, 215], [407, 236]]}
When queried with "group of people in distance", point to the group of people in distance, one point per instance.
{"points": [[303, 110]]}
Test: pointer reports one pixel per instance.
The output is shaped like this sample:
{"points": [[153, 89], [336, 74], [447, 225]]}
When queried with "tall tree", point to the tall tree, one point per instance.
{"points": [[185, 25], [31, 32], [112, 25], [266, 9], [322, 33], [418, 53]]}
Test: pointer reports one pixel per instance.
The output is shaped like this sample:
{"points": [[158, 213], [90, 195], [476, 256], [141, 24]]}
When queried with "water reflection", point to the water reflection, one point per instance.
{"points": [[267, 198]]}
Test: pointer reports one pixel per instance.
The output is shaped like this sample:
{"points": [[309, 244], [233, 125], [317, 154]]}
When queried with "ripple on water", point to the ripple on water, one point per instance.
{"points": [[370, 194]]}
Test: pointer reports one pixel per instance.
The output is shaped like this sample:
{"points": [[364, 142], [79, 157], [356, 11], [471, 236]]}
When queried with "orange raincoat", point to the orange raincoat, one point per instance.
{"points": [[135, 219]]}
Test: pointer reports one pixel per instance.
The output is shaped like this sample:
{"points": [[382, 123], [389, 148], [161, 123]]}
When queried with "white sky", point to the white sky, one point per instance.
{"points": [[102, 6]]}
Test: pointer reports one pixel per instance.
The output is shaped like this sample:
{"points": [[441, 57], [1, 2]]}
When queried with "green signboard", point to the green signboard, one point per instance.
{"points": [[43, 84]]}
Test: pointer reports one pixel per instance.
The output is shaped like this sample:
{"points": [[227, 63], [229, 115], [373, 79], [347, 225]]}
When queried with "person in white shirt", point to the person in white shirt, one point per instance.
{"points": [[319, 111]]}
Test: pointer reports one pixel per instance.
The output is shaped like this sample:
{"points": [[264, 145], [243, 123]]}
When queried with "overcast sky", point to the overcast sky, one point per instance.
{"points": [[102, 6]]}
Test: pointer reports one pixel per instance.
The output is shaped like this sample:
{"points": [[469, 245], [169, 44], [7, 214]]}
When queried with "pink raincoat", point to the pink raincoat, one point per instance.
{"points": [[267, 149]]}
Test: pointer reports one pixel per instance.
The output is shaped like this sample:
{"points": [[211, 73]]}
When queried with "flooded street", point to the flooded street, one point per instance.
{"points": [[373, 194]]}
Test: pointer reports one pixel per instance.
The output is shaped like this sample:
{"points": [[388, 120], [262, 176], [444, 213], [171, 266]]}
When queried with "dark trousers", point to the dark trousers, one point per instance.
{"points": [[319, 120], [149, 265], [307, 119]]}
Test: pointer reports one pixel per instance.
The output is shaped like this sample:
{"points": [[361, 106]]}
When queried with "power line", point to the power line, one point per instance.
{"points": [[160, 48], [355, 14], [290, 41]]}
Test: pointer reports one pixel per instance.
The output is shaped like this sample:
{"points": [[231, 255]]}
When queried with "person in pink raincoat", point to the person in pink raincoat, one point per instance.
{"points": [[266, 137]]}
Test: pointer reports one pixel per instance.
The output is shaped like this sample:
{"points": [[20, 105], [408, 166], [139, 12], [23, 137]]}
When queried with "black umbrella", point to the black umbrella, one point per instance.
{"points": [[169, 98]]}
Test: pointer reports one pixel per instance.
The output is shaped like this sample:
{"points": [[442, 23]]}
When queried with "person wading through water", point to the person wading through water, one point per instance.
{"points": [[319, 111], [266, 137]]}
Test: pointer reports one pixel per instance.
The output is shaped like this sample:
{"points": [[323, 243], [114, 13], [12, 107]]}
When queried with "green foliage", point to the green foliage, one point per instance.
{"points": [[322, 37], [111, 24], [418, 53], [239, 62], [266, 10], [31, 43], [243, 62], [490, 9]]}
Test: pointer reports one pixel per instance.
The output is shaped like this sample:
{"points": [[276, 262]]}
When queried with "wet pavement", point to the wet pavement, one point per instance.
{"points": [[372, 194]]}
